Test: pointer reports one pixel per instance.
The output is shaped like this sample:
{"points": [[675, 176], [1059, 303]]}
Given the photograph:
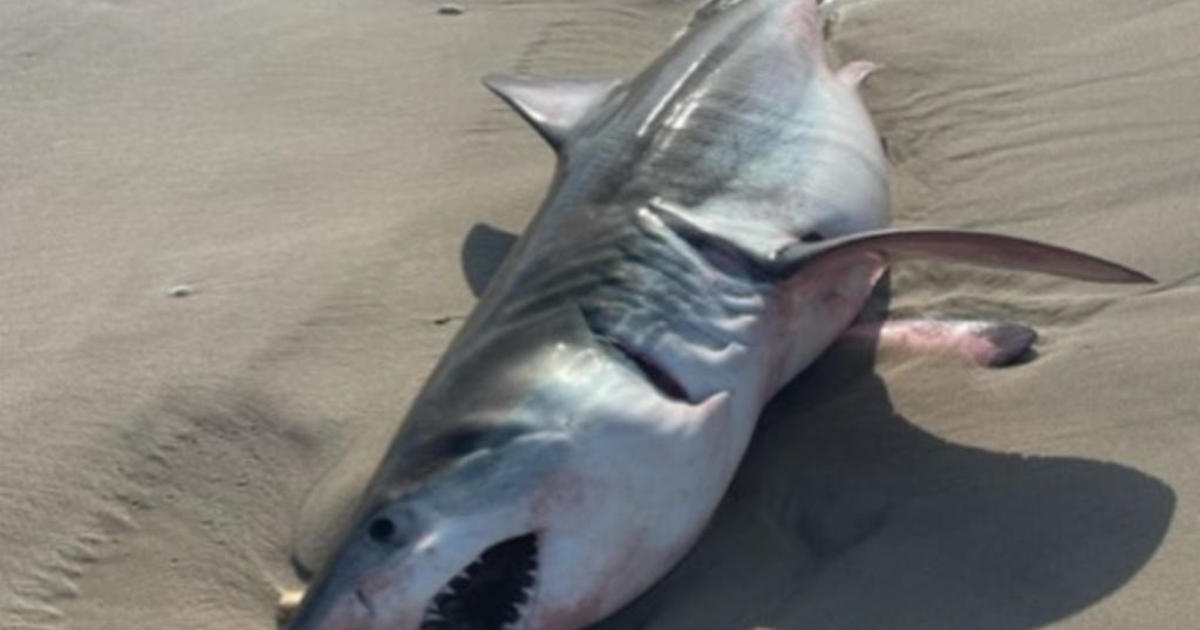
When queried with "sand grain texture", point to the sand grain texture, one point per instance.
{"points": [[309, 171]]}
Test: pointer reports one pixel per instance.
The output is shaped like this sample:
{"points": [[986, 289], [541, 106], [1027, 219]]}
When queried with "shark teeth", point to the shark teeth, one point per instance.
{"points": [[494, 592]]}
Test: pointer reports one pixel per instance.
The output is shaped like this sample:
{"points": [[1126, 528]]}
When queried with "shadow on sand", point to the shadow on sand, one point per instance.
{"points": [[846, 515]]}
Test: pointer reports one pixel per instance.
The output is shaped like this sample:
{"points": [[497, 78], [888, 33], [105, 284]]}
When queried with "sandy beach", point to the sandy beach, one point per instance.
{"points": [[232, 247]]}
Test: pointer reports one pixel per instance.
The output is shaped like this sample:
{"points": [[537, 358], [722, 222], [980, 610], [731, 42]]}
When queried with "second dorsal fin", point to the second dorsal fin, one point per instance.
{"points": [[553, 106]]}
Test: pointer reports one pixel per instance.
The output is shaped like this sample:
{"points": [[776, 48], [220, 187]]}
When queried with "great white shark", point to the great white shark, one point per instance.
{"points": [[714, 224]]}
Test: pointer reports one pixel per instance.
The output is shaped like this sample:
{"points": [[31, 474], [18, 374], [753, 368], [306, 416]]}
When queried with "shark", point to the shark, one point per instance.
{"points": [[714, 224]]}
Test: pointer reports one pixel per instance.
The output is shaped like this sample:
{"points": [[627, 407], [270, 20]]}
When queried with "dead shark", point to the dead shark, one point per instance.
{"points": [[714, 224]]}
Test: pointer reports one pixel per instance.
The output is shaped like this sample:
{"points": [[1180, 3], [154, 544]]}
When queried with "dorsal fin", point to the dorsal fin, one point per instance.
{"points": [[554, 106], [853, 73]]}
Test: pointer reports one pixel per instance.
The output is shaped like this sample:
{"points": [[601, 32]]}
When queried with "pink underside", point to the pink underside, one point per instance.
{"points": [[965, 338]]}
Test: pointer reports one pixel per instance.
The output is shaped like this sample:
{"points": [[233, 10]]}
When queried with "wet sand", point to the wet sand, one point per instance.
{"points": [[231, 249]]}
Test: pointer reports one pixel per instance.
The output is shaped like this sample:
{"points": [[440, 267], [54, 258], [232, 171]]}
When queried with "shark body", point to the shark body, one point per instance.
{"points": [[714, 224]]}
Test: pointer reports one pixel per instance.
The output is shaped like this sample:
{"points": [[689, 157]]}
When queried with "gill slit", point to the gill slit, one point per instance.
{"points": [[657, 375]]}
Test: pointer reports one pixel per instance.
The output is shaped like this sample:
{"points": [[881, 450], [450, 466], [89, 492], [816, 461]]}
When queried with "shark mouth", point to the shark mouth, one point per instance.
{"points": [[494, 592]]}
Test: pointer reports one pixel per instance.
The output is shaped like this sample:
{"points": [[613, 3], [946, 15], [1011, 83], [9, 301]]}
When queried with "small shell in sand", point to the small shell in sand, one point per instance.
{"points": [[289, 601]]}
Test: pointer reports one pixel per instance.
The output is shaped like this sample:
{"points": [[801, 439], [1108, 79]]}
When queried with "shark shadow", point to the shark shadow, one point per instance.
{"points": [[482, 251], [847, 515]]}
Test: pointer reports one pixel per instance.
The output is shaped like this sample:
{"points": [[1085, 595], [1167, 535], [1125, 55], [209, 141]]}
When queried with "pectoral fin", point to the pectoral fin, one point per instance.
{"points": [[975, 248], [482, 252]]}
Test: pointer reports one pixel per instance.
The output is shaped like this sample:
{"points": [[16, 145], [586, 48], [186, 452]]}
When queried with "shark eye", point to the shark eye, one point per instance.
{"points": [[812, 237], [382, 530], [392, 525]]}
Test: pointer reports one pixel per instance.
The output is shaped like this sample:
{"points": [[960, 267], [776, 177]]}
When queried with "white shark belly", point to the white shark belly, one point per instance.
{"points": [[645, 474], [649, 468]]}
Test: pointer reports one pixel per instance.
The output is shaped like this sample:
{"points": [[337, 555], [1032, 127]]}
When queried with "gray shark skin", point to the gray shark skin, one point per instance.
{"points": [[714, 224]]}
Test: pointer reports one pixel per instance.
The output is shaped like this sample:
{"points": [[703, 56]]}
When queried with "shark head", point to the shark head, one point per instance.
{"points": [[457, 549], [511, 504]]}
